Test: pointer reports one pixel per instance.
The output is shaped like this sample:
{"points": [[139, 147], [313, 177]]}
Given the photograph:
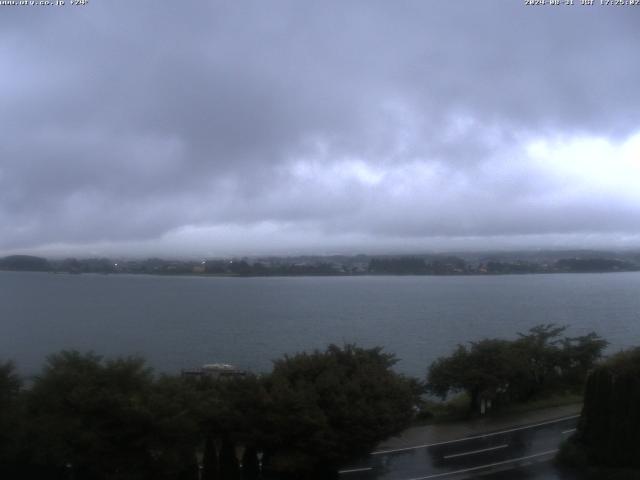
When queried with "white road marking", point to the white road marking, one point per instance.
{"points": [[569, 431], [481, 467], [354, 470], [475, 437], [475, 451]]}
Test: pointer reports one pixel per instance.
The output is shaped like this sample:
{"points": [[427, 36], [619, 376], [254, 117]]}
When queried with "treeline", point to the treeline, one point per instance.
{"points": [[85, 417], [27, 263], [333, 265], [157, 266], [495, 372], [418, 266], [458, 266], [257, 268]]}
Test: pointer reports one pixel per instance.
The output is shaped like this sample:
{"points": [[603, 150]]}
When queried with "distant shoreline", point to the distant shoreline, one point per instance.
{"points": [[342, 265], [233, 275]]}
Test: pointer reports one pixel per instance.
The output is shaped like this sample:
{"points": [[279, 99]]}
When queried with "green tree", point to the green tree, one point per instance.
{"points": [[232, 413], [176, 431], [11, 420], [484, 370], [579, 356], [329, 406], [105, 419], [542, 358], [608, 434], [537, 363]]}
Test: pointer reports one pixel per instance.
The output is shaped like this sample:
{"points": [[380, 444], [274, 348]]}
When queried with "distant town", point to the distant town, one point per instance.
{"points": [[579, 261]]}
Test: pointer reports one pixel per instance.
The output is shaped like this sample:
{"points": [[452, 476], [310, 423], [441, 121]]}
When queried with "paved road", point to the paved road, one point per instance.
{"points": [[523, 451]]}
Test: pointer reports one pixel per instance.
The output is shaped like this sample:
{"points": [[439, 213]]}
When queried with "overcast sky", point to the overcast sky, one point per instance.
{"points": [[213, 128]]}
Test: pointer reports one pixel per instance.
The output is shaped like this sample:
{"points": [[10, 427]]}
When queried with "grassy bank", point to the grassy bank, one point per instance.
{"points": [[458, 408]]}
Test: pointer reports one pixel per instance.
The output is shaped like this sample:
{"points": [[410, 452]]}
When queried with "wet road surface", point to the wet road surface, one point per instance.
{"points": [[521, 452]]}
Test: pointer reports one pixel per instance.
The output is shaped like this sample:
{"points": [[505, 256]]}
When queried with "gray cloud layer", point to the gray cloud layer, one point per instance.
{"points": [[265, 126]]}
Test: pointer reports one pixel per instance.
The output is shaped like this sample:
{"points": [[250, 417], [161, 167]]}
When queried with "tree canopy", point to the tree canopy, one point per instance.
{"points": [[609, 427], [345, 400], [502, 371], [88, 417]]}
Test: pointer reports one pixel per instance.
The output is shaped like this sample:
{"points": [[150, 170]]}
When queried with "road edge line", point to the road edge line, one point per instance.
{"points": [[475, 437]]}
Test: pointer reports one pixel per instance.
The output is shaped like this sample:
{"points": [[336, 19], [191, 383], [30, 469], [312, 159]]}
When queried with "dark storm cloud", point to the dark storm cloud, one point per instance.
{"points": [[347, 122]]}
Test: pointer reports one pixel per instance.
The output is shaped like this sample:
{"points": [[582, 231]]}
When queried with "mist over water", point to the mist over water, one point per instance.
{"points": [[182, 322]]}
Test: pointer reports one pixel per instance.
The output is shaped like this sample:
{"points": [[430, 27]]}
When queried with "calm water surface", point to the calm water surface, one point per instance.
{"points": [[179, 322]]}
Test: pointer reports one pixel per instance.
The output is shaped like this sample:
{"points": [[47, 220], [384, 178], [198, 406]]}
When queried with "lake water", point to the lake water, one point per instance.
{"points": [[182, 322]]}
